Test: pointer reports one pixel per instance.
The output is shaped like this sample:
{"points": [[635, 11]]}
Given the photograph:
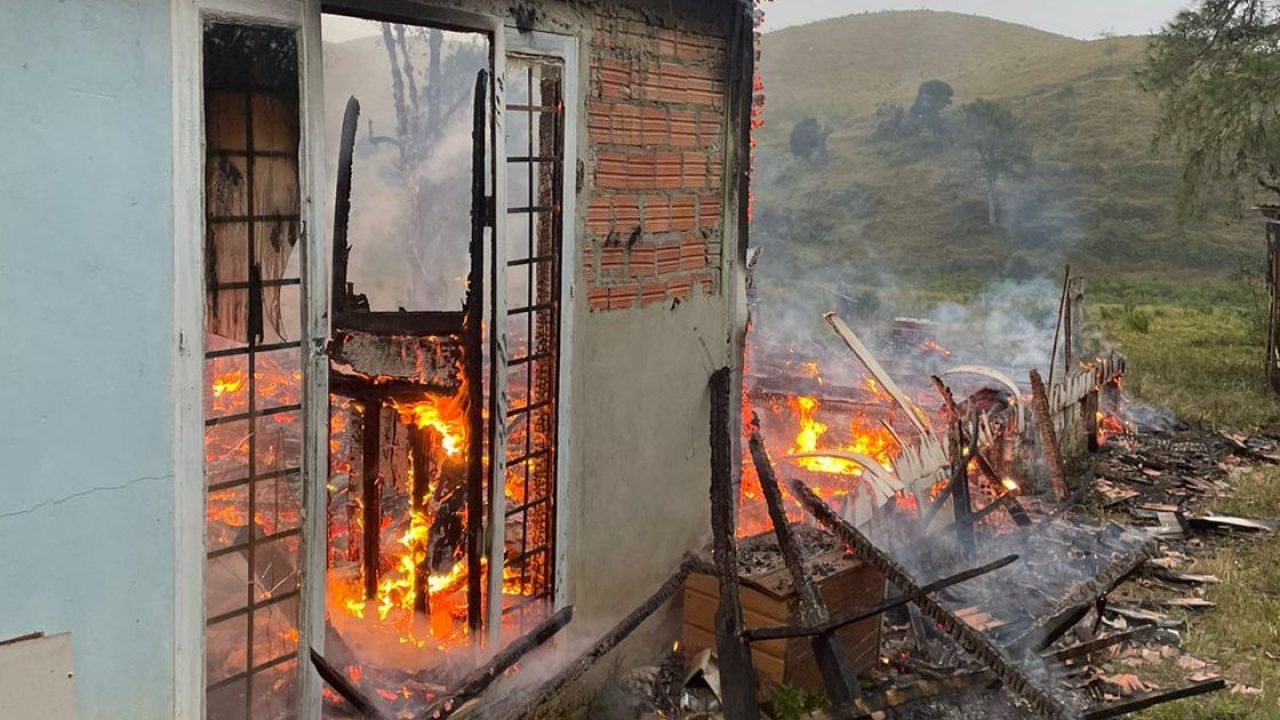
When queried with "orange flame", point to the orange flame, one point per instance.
{"points": [[866, 439]]}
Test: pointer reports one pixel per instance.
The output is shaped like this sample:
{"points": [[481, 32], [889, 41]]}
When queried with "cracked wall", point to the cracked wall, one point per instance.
{"points": [[86, 298]]}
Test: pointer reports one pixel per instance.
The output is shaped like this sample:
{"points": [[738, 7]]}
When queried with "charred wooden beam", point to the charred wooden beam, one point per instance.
{"points": [[792, 631], [342, 202], [1093, 646], [419, 445], [1016, 511], [1057, 329], [1151, 699], [1048, 436], [569, 675], [371, 504], [478, 680], [1018, 682], [960, 484], [1072, 608], [833, 663], [354, 696], [473, 358], [738, 689]]}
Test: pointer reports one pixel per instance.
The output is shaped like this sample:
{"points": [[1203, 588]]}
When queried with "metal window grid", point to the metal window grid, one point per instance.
{"points": [[258, 599], [534, 367]]}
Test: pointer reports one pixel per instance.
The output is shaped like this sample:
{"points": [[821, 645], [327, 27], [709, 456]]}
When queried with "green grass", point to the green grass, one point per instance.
{"points": [[1205, 364], [1100, 197], [1244, 630]]}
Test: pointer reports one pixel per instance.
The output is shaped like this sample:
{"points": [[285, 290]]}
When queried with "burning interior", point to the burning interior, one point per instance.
{"points": [[442, 362], [420, 476]]}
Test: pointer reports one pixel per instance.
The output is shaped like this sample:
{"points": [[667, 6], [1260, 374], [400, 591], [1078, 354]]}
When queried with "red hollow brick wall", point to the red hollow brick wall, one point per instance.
{"points": [[656, 131]]}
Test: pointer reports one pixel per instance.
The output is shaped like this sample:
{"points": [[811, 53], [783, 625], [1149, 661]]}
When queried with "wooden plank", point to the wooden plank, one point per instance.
{"points": [[768, 667], [700, 612]]}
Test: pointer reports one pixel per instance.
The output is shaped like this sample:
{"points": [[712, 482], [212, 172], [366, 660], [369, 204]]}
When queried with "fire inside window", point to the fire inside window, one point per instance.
{"points": [[407, 495], [535, 171], [253, 377]]}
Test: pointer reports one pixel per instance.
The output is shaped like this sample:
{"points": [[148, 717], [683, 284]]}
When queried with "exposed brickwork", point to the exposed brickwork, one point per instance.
{"points": [[655, 123]]}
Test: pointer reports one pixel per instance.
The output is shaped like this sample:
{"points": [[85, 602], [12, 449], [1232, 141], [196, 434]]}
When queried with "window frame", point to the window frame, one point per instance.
{"points": [[564, 48], [188, 21]]}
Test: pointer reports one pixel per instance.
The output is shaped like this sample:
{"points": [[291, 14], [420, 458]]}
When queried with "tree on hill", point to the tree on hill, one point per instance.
{"points": [[809, 139], [1214, 68], [932, 98], [1000, 141]]}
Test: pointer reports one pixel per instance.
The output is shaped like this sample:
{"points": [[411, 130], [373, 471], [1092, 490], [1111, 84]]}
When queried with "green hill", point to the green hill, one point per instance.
{"points": [[877, 211]]}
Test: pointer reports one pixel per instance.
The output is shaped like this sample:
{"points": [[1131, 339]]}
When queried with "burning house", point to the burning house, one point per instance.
{"points": [[375, 324], [382, 343]]}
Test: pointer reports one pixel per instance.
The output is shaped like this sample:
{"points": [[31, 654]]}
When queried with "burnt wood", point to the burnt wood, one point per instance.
{"points": [[1057, 329], [833, 662], [1088, 648], [342, 204], [1016, 511], [1146, 700], [481, 218], [1043, 703], [428, 322], [1072, 608], [371, 454], [738, 685], [530, 706], [354, 696], [479, 680], [1048, 436], [793, 631]]}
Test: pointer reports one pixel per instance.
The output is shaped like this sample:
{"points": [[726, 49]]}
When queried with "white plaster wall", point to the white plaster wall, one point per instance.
{"points": [[86, 296], [641, 469]]}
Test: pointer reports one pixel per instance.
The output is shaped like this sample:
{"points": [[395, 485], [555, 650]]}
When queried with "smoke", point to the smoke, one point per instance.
{"points": [[1010, 325]]}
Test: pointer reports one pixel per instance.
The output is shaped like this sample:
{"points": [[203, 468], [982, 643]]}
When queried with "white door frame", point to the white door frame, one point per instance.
{"points": [[187, 33]]}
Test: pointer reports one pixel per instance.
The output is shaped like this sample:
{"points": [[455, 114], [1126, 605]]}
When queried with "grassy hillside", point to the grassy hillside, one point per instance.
{"points": [[877, 212]]}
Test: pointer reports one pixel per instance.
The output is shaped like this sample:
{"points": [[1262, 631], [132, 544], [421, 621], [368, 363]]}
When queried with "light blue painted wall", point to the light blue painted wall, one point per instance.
{"points": [[86, 295]]}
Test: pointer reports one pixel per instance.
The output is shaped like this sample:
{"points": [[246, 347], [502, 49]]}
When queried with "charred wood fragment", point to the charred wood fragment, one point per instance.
{"points": [[1048, 436], [1015, 679], [1072, 608], [833, 663], [569, 675], [478, 680], [791, 631], [1147, 700], [738, 677], [1016, 511], [354, 696]]}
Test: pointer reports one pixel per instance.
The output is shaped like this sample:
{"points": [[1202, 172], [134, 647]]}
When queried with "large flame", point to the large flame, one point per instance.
{"points": [[446, 415], [866, 438]]}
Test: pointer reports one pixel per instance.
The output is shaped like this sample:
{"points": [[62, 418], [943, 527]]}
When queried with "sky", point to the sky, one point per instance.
{"points": [[1085, 19]]}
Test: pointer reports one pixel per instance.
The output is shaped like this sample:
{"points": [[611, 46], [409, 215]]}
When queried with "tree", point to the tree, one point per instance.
{"points": [[1214, 69], [1000, 141], [809, 139], [932, 98]]}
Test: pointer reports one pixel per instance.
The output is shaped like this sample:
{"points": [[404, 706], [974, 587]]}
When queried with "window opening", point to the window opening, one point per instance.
{"points": [[407, 488], [253, 372]]}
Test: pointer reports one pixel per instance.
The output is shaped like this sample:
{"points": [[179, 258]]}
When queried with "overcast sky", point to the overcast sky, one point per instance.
{"points": [[1078, 18]]}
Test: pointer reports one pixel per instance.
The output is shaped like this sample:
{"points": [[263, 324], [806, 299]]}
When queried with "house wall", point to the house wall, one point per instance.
{"points": [[87, 298], [86, 292], [655, 319]]}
